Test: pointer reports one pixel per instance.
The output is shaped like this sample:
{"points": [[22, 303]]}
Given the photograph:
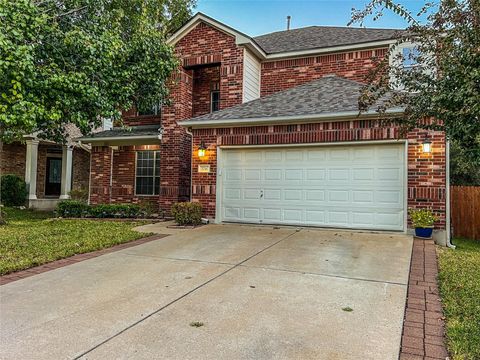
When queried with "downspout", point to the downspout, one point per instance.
{"points": [[447, 195], [189, 132]]}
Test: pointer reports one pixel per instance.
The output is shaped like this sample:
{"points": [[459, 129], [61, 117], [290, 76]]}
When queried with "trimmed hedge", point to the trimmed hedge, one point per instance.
{"points": [[187, 213], [75, 208], [13, 190]]}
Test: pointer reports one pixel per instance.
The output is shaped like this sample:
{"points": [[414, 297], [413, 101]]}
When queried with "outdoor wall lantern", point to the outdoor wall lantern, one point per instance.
{"points": [[202, 149], [427, 145]]}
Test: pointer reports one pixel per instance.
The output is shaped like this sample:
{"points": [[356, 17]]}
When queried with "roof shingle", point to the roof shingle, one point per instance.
{"points": [[317, 37]]}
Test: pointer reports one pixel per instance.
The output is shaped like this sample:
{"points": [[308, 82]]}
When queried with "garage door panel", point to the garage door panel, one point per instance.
{"points": [[357, 186]]}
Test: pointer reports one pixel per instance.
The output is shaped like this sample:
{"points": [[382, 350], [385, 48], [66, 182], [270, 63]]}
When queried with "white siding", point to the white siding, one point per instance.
{"points": [[251, 77]]}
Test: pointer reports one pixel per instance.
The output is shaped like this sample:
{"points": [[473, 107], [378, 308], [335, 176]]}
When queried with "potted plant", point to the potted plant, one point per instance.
{"points": [[422, 221]]}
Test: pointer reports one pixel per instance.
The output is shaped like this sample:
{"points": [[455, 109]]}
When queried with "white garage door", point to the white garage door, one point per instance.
{"points": [[355, 186]]}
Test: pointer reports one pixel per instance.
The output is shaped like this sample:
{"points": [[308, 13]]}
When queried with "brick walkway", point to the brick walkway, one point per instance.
{"points": [[423, 329], [5, 279]]}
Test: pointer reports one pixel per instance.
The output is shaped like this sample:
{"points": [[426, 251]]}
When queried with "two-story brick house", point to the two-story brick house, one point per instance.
{"points": [[267, 130]]}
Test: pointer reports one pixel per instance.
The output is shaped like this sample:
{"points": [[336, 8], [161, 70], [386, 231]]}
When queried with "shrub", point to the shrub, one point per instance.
{"points": [[79, 194], [422, 218], [187, 213], [72, 208], [13, 190], [115, 211]]}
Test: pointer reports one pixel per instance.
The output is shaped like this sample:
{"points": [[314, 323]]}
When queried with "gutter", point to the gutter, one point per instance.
{"points": [[116, 138], [287, 119]]}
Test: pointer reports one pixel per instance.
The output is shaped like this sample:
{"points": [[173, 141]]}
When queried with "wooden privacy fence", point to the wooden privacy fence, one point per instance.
{"points": [[465, 211]]}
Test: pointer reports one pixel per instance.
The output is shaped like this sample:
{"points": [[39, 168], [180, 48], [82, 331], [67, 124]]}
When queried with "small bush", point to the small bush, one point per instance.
{"points": [[72, 208], [187, 213], [422, 218], [115, 211], [79, 194], [13, 190]]}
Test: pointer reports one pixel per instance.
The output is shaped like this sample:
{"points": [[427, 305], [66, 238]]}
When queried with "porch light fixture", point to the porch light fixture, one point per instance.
{"points": [[202, 149], [427, 145]]}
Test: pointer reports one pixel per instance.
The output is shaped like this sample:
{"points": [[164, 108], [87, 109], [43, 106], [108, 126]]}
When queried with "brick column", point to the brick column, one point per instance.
{"points": [[175, 155], [100, 170]]}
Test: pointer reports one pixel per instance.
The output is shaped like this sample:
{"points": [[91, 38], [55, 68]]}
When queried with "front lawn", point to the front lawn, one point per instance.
{"points": [[460, 291], [35, 238]]}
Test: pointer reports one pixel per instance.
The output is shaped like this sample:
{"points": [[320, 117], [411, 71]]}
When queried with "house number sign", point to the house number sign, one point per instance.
{"points": [[204, 168]]}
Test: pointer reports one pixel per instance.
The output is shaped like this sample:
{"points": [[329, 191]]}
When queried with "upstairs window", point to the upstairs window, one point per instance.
{"points": [[214, 96], [214, 100], [147, 175], [410, 57], [154, 109]]}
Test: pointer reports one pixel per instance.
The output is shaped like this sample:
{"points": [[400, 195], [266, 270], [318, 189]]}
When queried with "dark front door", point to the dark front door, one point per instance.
{"points": [[54, 176]]}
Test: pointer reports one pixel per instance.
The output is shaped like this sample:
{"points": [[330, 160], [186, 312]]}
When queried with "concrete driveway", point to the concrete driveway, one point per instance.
{"points": [[260, 292]]}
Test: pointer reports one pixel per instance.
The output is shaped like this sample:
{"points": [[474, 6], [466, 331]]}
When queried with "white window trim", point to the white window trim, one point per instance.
{"points": [[211, 100]]}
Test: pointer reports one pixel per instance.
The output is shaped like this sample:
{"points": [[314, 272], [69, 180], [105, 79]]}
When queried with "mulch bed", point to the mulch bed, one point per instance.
{"points": [[22, 274], [423, 328]]}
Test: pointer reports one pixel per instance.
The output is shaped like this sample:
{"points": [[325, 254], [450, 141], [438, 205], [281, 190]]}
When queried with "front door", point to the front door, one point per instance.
{"points": [[53, 176]]}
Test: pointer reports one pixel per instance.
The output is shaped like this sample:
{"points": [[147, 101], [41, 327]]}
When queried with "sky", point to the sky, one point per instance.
{"points": [[256, 17]]}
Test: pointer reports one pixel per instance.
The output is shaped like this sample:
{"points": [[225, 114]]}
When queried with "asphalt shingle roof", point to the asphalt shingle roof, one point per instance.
{"points": [[317, 37], [327, 95], [149, 130]]}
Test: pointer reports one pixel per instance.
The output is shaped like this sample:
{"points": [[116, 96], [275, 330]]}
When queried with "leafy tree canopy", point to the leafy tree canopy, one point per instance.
{"points": [[79, 61], [444, 85]]}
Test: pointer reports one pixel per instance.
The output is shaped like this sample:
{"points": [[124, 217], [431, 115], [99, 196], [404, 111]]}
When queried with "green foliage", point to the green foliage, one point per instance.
{"points": [[463, 171], [422, 218], [72, 208], [187, 213], [79, 194], [13, 190], [459, 280], [444, 86], [79, 209], [115, 211], [33, 238], [78, 61]]}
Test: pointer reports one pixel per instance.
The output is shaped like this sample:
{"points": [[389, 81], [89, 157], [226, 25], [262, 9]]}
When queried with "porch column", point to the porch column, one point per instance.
{"points": [[67, 161], [31, 168]]}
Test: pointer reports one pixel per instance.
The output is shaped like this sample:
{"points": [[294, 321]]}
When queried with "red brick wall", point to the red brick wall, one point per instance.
{"points": [[205, 45], [12, 160], [426, 173], [283, 74], [205, 79], [80, 168], [100, 167]]}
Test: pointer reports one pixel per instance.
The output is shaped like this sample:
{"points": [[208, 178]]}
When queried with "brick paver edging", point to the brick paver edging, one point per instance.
{"points": [[423, 328], [5, 279]]}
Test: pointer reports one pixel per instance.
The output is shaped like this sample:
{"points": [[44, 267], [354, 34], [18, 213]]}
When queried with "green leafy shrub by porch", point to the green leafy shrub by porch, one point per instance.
{"points": [[72, 209], [115, 211], [13, 190], [187, 213], [422, 218]]}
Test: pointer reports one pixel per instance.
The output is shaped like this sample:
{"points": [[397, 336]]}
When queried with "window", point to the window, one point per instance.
{"points": [[152, 110], [410, 57], [147, 176], [214, 100]]}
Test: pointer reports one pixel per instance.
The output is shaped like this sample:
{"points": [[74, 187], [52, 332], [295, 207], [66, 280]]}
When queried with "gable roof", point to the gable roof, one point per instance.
{"points": [[295, 42], [317, 37], [326, 98]]}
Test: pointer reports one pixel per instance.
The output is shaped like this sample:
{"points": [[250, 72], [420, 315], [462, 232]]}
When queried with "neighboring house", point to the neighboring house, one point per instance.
{"points": [[50, 170], [286, 146]]}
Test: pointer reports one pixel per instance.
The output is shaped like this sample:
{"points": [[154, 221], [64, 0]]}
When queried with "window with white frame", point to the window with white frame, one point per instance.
{"points": [[410, 56], [147, 175]]}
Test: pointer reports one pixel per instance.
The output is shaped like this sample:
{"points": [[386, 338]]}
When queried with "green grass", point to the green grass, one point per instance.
{"points": [[460, 291], [34, 238]]}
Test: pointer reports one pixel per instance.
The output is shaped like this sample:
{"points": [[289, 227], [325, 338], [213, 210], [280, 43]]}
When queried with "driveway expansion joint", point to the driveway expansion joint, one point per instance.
{"points": [[182, 296]]}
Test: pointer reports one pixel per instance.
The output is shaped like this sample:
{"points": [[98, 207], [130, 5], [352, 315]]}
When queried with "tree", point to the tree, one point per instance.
{"points": [[79, 61], [442, 92]]}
